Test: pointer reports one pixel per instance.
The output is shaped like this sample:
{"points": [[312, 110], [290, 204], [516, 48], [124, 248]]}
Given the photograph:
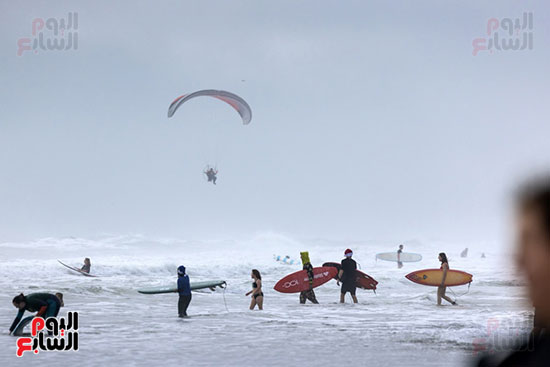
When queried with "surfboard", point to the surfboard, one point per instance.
{"points": [[286, 260], [363, 281], [212, 284], [406, 257], [299, 281], [77, 270], [433, 277], [18, 331]]}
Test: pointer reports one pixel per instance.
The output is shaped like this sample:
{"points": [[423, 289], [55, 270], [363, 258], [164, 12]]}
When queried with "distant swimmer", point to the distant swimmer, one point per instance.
{"points": [[256, 292], [399, 252], [87, 266], [184, 290], [44, 304], [483, 255], [348, 277], [464, 253], [309, 294], [211, 174], [441, 289]]}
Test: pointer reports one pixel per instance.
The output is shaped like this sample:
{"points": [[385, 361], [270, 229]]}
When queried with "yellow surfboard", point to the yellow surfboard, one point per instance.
{"points": [[433, 277]]}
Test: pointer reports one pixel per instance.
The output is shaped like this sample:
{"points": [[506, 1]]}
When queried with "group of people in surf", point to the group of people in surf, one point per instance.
{"points": [[533, 260]]}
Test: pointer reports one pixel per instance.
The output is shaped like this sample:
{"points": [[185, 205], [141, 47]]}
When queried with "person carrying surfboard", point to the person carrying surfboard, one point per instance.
{"points": [[348, 277], [309, 294], [399, 252], [87, 266], [256, 292], [184, 290], [44, 304], [441, 289]]}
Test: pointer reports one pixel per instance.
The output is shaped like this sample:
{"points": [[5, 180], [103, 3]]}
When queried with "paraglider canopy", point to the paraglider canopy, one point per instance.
{"points": [[231, 99]]}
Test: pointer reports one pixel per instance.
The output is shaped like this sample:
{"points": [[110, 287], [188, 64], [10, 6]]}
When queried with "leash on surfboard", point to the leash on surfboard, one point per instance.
{"points": [[224, 301], [457, 297]]}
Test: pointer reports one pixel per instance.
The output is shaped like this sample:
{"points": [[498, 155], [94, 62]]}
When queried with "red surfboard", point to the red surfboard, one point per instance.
{"points": [[363, 281], [299, 282]]}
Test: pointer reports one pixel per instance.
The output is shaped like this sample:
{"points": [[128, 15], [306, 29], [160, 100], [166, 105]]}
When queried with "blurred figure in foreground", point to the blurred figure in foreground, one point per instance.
{"points": [[533, 248]]}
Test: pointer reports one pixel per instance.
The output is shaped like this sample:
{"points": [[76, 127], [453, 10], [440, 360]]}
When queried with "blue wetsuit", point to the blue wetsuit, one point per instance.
{"points": [[184, 290]]}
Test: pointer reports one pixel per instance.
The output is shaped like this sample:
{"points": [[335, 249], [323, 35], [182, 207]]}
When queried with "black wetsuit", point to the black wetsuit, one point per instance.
{"points": [[45, 304], [85, 268], [349, 266], [309, 294], [184, 290], [399, 263]]}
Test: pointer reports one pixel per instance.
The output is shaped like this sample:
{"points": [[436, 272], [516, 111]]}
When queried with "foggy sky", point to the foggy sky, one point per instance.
{"points": [[371, 119]]}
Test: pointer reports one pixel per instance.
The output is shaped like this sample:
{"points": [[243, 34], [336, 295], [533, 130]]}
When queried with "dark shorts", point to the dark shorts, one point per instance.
{"points": [[349, 287]]}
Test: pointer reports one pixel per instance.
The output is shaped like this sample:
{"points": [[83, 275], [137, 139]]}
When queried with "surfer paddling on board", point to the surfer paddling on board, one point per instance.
{"points": [[44, 304], [87, 266], [347, 276], [441, 289], [184, 290], [256, 292], [399, 252], [309, 294]]}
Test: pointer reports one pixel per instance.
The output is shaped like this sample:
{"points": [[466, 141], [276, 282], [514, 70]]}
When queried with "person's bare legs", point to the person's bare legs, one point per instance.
{"points": [[441, 295], [252, 303], [260, 302], [342, 298], [354, 298]]}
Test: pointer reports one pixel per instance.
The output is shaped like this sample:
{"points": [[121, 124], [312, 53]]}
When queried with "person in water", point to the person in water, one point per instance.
{"points": [[87, 266], [533, 260], [442, 288], [184, 290], [308, 294], [60, 296], [399, 252], [256, 292], [211, 174], [347, 275], [44, 304]]}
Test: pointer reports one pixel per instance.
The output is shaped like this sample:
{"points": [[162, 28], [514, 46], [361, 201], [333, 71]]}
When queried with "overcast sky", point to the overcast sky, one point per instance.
{"points": [[371, 119]]}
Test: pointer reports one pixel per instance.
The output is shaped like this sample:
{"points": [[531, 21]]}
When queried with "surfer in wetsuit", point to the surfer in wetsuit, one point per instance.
{"points": [[87, 265], [309, 294], [348, 277], [184, 290], [44, 304], [256, 292], [441, 289], [399, 252]]}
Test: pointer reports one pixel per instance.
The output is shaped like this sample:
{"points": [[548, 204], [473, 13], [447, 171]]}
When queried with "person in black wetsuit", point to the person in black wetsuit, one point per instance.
{"points": [[309, 294], [533, 260], [184, 290], [399, 252], [256, 292], [348, 277], [87, 266], [44, 304]]}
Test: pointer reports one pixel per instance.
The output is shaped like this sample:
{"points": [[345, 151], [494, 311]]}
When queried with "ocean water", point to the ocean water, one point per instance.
{"points": [[400, 324]]}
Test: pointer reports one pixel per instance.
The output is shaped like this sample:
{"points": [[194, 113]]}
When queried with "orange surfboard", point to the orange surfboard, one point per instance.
{"points": [[433, 277], [299, 282]]}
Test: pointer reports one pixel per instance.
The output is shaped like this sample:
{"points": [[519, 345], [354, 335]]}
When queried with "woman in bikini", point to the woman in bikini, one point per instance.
{"points": [[256, 292]]}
